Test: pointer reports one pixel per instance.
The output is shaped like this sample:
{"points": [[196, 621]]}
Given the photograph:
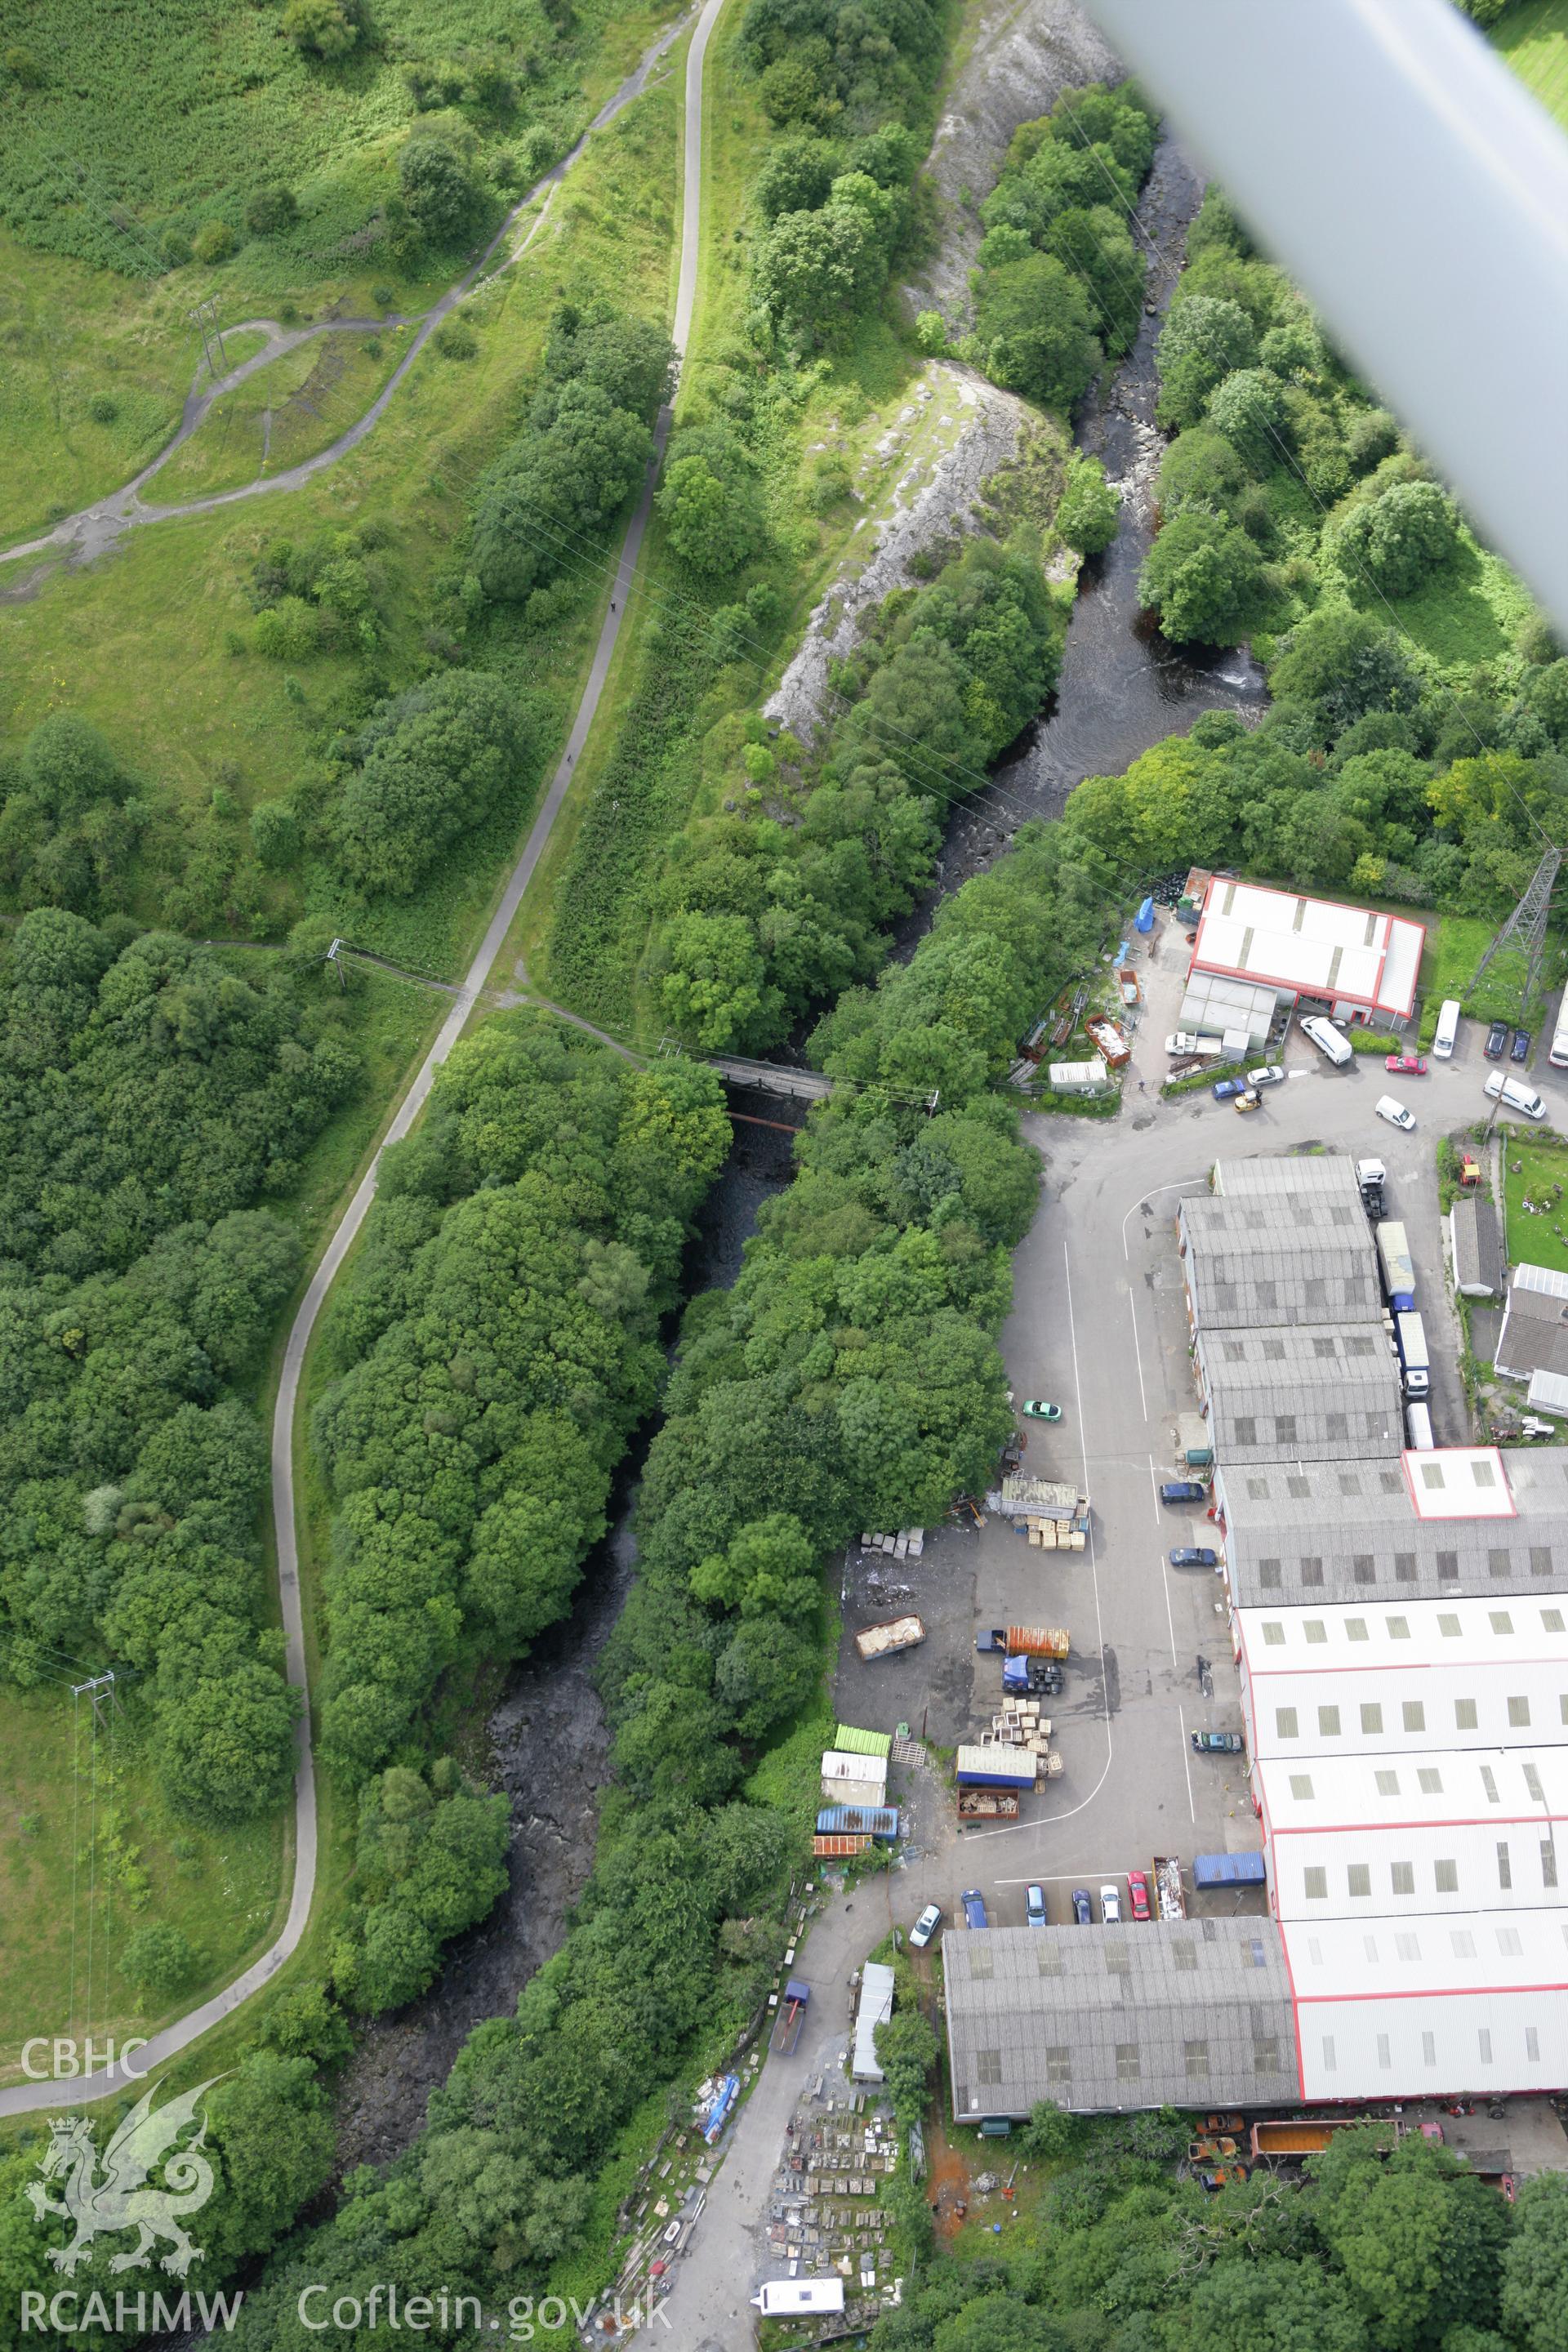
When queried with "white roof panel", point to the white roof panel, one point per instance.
{"points": [[1349, 954], [1407, 1634], [1473, 1703], [1548, 1279], [1480, 2043], [1444, 1788], [1459, 1482]]}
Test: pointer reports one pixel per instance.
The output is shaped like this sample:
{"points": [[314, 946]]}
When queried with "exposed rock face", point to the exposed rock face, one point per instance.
{"points": [[1026, 53], [995, 431]]}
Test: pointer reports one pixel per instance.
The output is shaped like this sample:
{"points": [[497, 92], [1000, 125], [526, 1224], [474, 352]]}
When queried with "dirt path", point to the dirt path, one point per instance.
{"points": [[23, 2098], [89, 533]]}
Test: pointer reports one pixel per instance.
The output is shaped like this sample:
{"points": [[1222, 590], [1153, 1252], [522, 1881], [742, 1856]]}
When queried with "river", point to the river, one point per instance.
{"points": [[1122, 689]]}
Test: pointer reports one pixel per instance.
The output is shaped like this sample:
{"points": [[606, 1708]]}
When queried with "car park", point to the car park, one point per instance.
{"points": [[973, 1904], [1520, 1050], [1496, 1045], [1407, 1066], [1036, 1409], [1138, 1894], [1035, 1906], [1250, 1100], [925, 1926], [1268, 1073], [1082, 1908], [1193, 1556], [1181, 1490], [1110, 1905], [1216, 1743], [1389, 1108]]}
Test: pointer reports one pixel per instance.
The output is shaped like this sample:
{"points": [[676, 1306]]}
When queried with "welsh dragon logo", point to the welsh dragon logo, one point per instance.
{"points": [[118, 2198]]}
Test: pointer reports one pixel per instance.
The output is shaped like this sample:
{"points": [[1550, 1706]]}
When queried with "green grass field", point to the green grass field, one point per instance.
{"points": [[1535, 1190], [1534, 41], [285, 412]]}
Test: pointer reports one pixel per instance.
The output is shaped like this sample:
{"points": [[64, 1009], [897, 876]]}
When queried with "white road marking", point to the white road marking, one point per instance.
{"points": [[1138, 1357], [1165, 1585], [1186, 1767]]}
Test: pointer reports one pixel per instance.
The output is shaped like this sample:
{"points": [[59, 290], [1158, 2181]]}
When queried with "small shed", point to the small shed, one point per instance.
{"points": [[1475, 1247], [875, 2008], [1078, 1077], [1548, 1392]]}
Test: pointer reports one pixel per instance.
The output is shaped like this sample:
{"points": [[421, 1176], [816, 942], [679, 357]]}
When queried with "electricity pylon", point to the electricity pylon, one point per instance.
{"points": [[1524, 934]]}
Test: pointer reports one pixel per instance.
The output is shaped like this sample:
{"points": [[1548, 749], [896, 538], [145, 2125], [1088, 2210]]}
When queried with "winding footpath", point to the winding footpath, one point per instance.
{"points": [[91, 531], [28, 2098]]}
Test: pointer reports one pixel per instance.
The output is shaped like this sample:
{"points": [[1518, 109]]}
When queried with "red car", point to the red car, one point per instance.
{"points": [[1138, 1894], [1408, 1066]]}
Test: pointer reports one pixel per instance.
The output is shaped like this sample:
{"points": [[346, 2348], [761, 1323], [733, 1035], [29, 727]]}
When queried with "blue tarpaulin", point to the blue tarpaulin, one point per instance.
{"points": [[719, 2114], [1144, 920]]}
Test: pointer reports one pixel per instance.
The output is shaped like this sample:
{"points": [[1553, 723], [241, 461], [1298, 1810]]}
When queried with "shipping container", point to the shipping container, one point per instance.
{"points": [[880, 1821], [1398, 1265], [995, 1768], [843, 1764], [850, 1740], [862, 1794], [894, 1633], [1037, 1641], [1228, 1870], [831, 1846]]}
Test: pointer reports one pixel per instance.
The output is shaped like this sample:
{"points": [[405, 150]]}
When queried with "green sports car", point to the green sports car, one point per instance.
{"points": [[1036, 1409]]}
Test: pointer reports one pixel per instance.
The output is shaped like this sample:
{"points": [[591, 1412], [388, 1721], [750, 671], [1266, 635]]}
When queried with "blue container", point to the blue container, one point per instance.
{"points": [[880, 1821], [1228, 1870]]}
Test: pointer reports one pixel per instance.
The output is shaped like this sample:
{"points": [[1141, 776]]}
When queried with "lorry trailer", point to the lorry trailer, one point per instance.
{"points": [[1398, 1265], [1410, 1337]]}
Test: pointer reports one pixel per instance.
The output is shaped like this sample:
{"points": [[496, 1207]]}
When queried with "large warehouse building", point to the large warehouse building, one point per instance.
{"points": [[1258, 949], [1400, 1621]]}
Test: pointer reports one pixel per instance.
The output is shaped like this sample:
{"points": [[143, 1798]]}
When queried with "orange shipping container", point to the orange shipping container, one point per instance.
{"points": [[839, 1843], [1037, 1641]]}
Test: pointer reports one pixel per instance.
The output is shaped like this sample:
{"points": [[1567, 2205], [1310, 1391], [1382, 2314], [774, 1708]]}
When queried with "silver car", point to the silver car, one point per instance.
{"points": [[925, 1926]]}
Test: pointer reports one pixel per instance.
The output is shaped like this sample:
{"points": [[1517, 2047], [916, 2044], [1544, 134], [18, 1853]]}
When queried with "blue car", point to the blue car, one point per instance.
{"points": [[1520, 1050], [1035, 1906], [1193, 1556], [973, 1904], [1181, 1490], [1082, 1908], [1224, 1088]]}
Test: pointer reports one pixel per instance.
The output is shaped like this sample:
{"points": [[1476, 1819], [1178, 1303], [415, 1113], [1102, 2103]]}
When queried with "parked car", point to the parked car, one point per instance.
{"points": [[925, 1926], [1389, 1108], [1035, 1906], [994, 1637], [1184, 1042], [1225, 1087], [1496, 1045], [1216, 1743], [1181, 1490], [1082, 1908], [1193, 1556], [1110, 1905], [1250, 1100], [1036, 1409], [973, 1904], [1407, 1066], [1138, 1894], [1270, 1075], [1520, 1050]]}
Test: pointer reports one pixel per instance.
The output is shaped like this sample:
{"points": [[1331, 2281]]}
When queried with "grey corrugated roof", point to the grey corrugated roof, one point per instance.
{"points": [[1303, 1532], [1318, 1391], [1534, 1334], [1183, 2014], [1477, 1251], [1312, 1284], [1321, 1176], [1241, 1226]]}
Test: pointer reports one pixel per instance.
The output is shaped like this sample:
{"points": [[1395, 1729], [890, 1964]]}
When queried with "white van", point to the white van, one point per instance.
{"points": [[1418, 1423], [1558, 1058], [1447, 1028], [1515, 1096], [1328, 1040]]}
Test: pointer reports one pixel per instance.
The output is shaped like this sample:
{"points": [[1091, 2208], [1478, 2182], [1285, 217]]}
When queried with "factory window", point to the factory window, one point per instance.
{"points": [[1504, 1866], [1402, 1877], [1369, 1946], [1355, 1628], [1127, 2067], [1339, 1425], [1509, 1943], [1446, 1877], [1519, 1713], [1268, 1575], [1253, 1955], [982, 1961], [1448, 1625], [1301, 1787], [1502, 1622], [1384, 2054], [1408, 1947], [1311, 1569], [1447, 1567], [1390, 1482], [1184, 1952], [1428, 2050], [1489, 1783], [1328, 2054], [1266, 2053], [1371, 1715], [1285, 1723], [1314, 1630], [1548, 1863], [1500, 1563], [1541, 1565], [1197, 2054], [1464, 1715], [1358, 1343], [1358, 1878], [1315, 1883], [1404, 1568], [1059, 2063], [1258, 1488], [1552, 1620], [1463, 1942], [1432, 1475], [1234, 1350], [1273, 1634], [1414, 1713], [1328, 1722], [1482, 1474], [1285, 1429], [1531, 2044], [1388, 1784], [1350, 1480], [1362, 1569], [1485, 2041], [1532, 1782], [1297, 1486], [1118, 1959], [1398, 1628], [1246, 1430], [1429, 1780], [1325, 1351], [1049, 1954], [1266, 1293], [988, 2067]]}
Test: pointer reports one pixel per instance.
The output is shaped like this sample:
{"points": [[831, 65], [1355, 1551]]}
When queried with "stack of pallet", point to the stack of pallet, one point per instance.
{"points": [[1023, 1726], [1050, 1534]]}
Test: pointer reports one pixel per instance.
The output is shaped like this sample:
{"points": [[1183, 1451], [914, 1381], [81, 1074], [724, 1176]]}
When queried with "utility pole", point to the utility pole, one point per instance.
{"points": [[204, 316], [102, 1691]]}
